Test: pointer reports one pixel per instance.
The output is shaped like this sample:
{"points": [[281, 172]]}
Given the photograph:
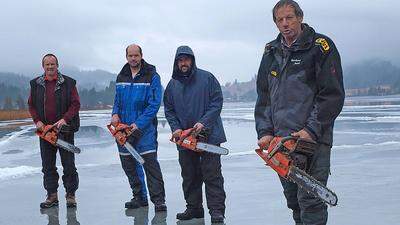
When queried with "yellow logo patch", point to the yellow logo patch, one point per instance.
{"points": [[274, 73], [323, 43]]}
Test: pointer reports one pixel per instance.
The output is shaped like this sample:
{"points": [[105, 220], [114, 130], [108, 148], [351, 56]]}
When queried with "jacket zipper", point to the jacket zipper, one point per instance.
{"points": [[44, 103]]}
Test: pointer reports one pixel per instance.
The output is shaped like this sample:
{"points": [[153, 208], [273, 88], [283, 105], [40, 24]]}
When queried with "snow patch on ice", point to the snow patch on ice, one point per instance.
{"points": [[16, 134], [387, 143], [8, 173]]}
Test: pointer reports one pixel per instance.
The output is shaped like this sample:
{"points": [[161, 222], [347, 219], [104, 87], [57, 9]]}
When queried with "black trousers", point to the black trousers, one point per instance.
{"points": [[307, 209], [134, 172], [197, 168], [48, 154]]}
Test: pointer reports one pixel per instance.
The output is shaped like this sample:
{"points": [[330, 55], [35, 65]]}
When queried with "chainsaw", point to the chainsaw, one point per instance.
{"points": [[290, 157], [195, 141], [50, 134], [122, 133]]}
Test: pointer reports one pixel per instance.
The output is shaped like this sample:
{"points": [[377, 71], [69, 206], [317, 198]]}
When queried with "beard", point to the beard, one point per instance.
{"points": [[187, 71]]}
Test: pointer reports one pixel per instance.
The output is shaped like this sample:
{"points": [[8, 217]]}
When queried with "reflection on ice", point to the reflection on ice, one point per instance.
{"points": [[14, 151], [53, 216], [141, 216], [192, 222]]}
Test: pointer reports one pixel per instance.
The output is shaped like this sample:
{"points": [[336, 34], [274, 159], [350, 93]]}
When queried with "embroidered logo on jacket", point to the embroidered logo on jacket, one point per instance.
{"points": [[274, 73], [296, 61], [323, 44]]}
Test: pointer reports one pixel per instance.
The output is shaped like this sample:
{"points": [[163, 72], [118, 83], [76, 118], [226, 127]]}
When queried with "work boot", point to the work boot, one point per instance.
{"points": [[70, 199], [51, 200], [160, 207], [190, 214], [135, 203], [217, 216]]}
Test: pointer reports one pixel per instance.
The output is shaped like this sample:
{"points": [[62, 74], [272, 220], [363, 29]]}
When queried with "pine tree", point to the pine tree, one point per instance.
{"points": [[8, 103], [21, 103]]}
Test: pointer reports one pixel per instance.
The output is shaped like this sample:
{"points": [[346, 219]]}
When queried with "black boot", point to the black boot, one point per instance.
{"points": [[190, 214], [217, 216], [135, 203]]}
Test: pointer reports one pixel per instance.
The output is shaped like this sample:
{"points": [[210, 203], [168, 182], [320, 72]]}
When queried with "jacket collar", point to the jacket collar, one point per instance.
{"points": [[303, 42], [60, 80], [144, 69]]}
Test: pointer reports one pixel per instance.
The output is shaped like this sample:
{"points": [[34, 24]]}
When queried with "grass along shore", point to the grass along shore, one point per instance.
{"points": [[14, 114]]}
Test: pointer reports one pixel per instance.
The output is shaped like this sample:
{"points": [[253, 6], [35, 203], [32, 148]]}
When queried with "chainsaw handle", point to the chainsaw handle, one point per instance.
{"points": [[48, 133], [119, 127], [263, 153], [173, 140], [289, 138], [260, 151], [187, 139], [277, 144], [185, 133], [274, 146], [111, 128], [46, 129]]}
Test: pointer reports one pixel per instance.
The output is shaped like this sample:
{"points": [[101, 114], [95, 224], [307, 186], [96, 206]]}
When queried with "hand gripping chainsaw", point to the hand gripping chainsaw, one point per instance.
{"points": [[195, 141], [122, 133], [50, 133], [289, 157]]}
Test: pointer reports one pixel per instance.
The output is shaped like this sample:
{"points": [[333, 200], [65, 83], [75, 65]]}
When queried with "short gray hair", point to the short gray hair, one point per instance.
{"points": [[297, 10]]}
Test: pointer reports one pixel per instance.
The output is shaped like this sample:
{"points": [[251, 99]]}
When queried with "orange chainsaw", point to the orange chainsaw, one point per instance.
{"points": [[195, 141], [122, 133], [50, 133], [290, 157]]}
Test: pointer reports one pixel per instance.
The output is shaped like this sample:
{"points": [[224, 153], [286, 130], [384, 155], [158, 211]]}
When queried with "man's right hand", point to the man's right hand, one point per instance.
{"points": [[39, 125], [115, 120], [176, 134], [264, 141]]}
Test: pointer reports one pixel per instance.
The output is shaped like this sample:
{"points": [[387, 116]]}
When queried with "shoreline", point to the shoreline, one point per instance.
{"points": [[14, 114]]}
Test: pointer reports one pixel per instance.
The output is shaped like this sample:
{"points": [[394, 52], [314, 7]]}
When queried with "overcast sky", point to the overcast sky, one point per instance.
{"points": [[227, 37]]}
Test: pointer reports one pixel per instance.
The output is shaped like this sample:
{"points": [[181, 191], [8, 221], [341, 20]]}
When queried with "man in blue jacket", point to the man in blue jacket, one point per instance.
{"points": [[137, 101], [193, 98]]}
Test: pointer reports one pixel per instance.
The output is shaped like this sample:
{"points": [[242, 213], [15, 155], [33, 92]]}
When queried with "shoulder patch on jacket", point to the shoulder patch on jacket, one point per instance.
{"points": [[274, 73], [268, 48], [323, 44]]}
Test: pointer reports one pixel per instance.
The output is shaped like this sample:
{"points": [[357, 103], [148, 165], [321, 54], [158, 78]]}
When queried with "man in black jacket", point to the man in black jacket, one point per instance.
{"points": [[193, 98], [54, 99], [300, 93]]}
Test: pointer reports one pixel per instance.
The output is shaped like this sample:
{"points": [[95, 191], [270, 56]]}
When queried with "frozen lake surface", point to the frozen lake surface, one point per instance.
{"points": [[364, 165]]}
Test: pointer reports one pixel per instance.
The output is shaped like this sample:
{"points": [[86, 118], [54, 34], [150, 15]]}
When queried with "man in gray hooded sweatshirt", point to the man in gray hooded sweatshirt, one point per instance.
{"points": [[193, 98]]}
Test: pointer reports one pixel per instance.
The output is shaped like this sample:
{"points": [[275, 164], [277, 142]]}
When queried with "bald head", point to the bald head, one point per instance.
{"points": [[134, 56], [134, 47]]}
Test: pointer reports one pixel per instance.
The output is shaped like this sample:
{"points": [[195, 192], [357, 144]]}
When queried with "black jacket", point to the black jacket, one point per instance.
{"points": [[63, 90], [196, 97], [299, 87]]}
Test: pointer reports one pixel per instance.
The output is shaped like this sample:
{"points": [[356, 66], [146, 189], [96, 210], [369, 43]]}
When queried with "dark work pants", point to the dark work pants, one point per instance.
{"points": [[134, 172], [70, 178], [307, 209], [197, 168]]}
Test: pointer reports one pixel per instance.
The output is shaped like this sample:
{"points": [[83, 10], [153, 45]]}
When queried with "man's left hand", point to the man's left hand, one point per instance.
{"points": [[302, 134], [198, 127], [60, 123], [133, 126]]}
